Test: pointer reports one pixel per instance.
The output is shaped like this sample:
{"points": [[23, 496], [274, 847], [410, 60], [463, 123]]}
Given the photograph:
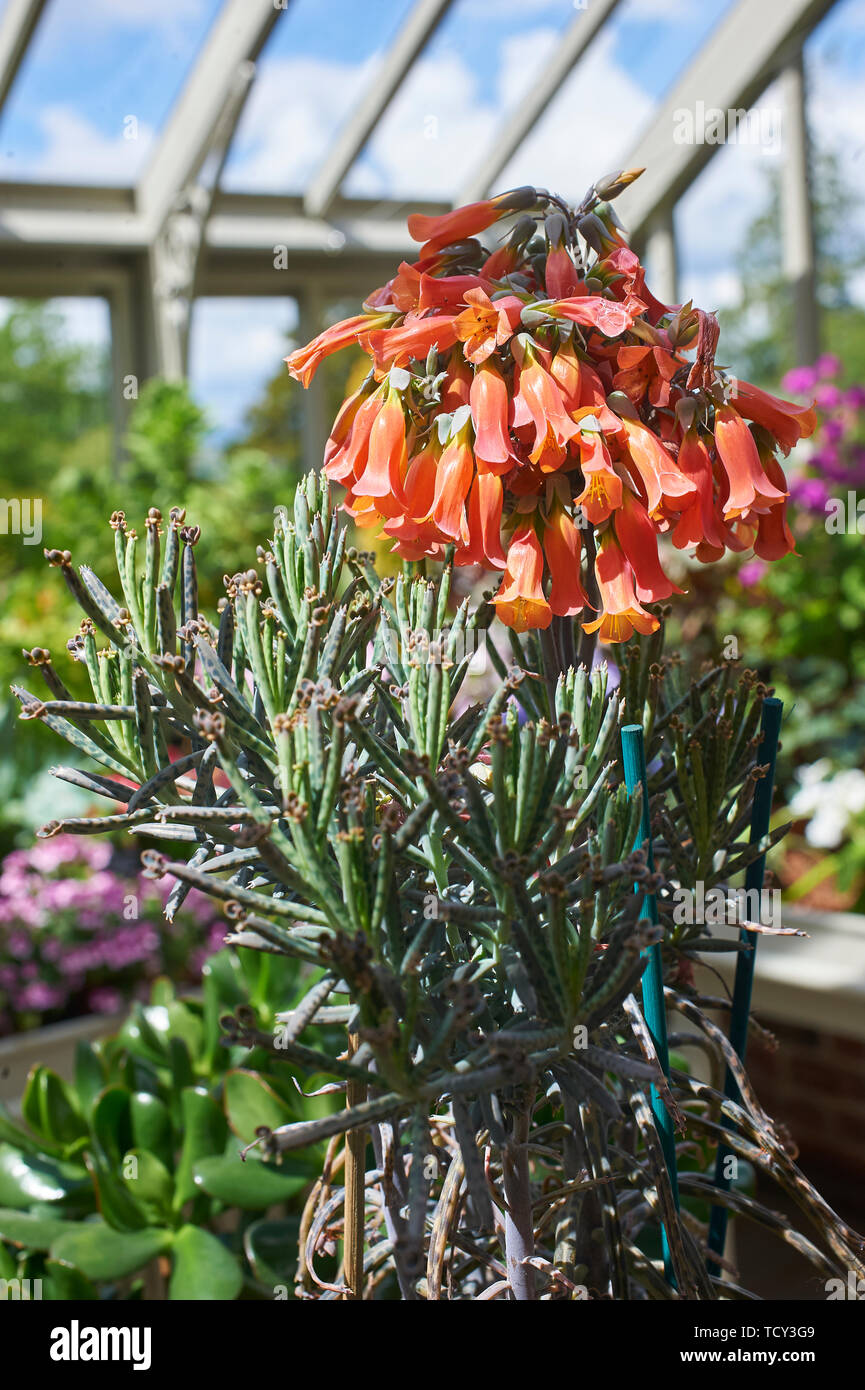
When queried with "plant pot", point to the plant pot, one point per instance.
{"points": [[52, 1046]]}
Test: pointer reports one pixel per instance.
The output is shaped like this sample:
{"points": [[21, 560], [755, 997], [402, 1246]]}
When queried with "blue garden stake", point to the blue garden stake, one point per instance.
{"points": [[770, 728], [634, 759]]}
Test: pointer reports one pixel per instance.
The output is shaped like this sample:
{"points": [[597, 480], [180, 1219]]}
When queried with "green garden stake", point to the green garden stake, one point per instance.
{"points": [[634, 760], [761, 809]]}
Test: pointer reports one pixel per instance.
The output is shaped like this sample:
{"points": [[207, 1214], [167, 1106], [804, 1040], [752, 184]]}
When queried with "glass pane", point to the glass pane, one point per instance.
{"points": [[715, 217], [317, 62], [96, 84], [471, 75], [834, 63], [236, 347]]}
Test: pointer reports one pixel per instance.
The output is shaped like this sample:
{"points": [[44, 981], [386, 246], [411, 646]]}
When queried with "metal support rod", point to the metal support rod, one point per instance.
{"points": [[761, 810], [634, 760], [355, 1187], [661, 256], [797, 221]]}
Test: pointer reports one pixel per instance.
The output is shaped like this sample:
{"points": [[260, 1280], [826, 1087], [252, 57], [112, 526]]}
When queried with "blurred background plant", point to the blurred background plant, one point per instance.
{"points": [[82, 931]]}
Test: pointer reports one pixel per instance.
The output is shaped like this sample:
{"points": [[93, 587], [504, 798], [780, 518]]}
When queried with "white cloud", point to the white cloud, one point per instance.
{"points": [[588, 128], [421, 142], [75, 151], [294, 110]]}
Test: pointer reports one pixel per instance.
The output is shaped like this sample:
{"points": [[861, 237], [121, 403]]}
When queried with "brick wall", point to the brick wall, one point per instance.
{"points": [[814, 1083]]}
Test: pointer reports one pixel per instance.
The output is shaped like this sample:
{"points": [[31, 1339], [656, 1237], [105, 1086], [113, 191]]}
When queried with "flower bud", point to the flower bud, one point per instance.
{"points": [[613, 184]]}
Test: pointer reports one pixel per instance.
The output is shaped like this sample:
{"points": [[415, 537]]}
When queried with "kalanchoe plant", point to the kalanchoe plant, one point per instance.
{"points": [[532, 402], [459, 880]]}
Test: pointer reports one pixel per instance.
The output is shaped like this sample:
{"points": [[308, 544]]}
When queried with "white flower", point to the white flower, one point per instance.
{"points": [[828, 800]]}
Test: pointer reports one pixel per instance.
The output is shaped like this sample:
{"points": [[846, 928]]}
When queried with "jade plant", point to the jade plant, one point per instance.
{"points": [[462, 886], [124, 1182]]}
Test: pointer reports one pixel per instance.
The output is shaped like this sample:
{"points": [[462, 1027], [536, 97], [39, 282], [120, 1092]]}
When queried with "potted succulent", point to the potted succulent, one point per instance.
{"points": [[474, 890]]}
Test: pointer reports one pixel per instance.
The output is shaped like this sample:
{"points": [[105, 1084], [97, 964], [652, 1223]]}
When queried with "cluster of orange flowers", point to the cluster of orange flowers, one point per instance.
{"points": [[530, 402]]}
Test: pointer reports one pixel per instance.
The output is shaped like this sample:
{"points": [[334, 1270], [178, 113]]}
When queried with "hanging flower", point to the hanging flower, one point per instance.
{"points": [[523, 389]]}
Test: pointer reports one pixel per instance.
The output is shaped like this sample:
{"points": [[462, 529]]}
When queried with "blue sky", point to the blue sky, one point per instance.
{"points": [[95, 63]]}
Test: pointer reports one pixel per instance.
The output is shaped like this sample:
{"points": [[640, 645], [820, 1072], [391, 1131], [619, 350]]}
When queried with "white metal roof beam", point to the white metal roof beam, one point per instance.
{"points": [[17, 22], [325, 183], [535, 102], [236, 38], [736, 64]]}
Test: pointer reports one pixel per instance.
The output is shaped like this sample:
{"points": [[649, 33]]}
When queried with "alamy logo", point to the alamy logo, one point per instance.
{"points": [[718, 907], [22, 516], [20, 1290], [76, 1343], [853, 1289]]}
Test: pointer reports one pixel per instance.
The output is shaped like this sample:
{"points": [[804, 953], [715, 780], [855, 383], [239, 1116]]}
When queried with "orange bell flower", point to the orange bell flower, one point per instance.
{"points": [[592, 311], [750, 489], [467, 221], [785, 420], [489, 403], [486, 323], [664, 482], [698, 523], [387, 458], [602, 493], [774, 538], [347, 463], [484, 524], [393, 347], [622, 614], [563, 546], [453, 481], [520, 602], [639, 541], [538, 402], [304, 362]]}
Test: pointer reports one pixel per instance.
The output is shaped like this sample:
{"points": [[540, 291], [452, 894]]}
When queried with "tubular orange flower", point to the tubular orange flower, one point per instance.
{"points": [[457, 385], [393, 347], [774, 538], [560, 275], [787, 422], [698, 522], [304, 362], [639, 541], [485, 324], [449, 291], [484, 524], [624, 262], [467, 221], [452, 226], [663, 480], [593, 311], [565, 370], [602, 493], [488, 398], [337, 444], [750, 489], [538, 402], [520, 602], [419, 490], [453, 480], [563, 546], [387, 459], [622, 613], [348, 463]]}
